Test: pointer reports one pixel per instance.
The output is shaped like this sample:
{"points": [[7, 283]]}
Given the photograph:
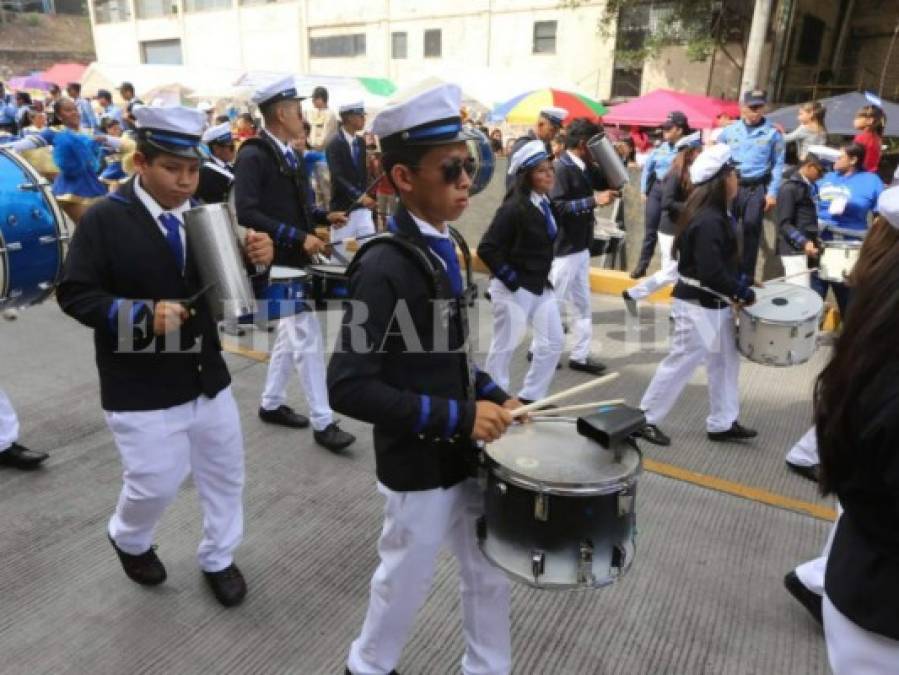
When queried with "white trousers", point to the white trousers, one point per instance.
{"points": [[796, 264], [852, 650], [9, 423], [512, 313], [359, 223], [159, 448], [811, 573], [299, 344], [805, 452], [666, 276], [700, 336], [570, 278], [416, 526]]}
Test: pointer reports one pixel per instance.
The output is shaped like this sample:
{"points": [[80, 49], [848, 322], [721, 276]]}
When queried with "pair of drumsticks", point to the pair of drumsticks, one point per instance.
{"points": [[568, 393]]}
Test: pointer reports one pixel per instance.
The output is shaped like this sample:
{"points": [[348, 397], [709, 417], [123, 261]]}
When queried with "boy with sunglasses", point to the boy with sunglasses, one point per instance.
{"points": [[408, 372], [217, 172]]}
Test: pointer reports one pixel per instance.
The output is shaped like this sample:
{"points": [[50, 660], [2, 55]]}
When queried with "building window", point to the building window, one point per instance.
{"points": [[333, 46], [545, 37], [150, 9], [433, 43], [810, 39], [399, 47], [205, 5], [634, 22], [111, 11], [167, 52]]}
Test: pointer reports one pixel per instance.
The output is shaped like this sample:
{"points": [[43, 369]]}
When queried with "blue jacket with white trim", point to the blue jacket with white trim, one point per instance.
{"points": [[400, 364]]}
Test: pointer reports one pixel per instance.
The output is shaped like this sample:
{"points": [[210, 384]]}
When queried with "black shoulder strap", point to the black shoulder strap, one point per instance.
{"points": [[410, 250]]}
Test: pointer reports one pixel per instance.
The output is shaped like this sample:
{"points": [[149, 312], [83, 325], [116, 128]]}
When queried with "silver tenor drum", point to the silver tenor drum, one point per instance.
{"points": [[212, 236], [837, 260], [781, 328], [559, 508]]}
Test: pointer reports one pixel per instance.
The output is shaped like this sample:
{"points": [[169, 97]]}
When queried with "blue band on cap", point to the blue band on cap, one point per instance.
{"points": [[434, 132], [172, 140], [533, 161], [227, 138]]}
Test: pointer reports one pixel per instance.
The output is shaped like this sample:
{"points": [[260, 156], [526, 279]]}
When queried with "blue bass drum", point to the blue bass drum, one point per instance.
{"points": [[485, 162], [285, 296], [33, 234]]}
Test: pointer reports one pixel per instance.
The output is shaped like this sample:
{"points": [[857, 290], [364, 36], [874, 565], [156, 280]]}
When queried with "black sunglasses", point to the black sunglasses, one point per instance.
{"points": [[452, 168]]}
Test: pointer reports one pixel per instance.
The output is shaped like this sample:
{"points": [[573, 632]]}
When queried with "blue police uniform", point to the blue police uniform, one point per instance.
{"points": [[758, 152], [654, 171], [7, 112]]}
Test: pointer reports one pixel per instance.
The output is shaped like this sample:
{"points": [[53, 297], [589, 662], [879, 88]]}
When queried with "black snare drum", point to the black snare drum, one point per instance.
{"points": [[328, 281]]}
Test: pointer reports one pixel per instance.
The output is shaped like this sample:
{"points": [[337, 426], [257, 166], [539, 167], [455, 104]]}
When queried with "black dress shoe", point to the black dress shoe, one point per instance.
{"points": [[285, 416], [638, 273], [333, 437], [145, 569], [530, 358], [591, 366], [228, 585], [347, 671], [651, 433], [20, 457], [812, 473], [629, 303], [737, 432], [811, 601]]}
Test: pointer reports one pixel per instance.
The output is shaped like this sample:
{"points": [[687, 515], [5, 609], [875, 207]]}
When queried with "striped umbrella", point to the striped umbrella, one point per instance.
{"points": [[524, 108]]}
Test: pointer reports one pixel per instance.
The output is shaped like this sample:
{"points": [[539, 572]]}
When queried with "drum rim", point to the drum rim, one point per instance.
{"points": [[566, 489], [607, 581], [751, 310], [775, 322], [327, 270], [296, 273], [841, 244]]}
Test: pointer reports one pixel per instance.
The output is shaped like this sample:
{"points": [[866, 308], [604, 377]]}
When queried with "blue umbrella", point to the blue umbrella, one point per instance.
{"points": [[840, 113]]}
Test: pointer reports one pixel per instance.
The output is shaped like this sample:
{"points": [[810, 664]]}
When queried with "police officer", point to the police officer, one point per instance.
{"points": [[758, 151], [655, 169], [548, 126], [428, 405], [272, 195], [217, 172], [164, 385]]}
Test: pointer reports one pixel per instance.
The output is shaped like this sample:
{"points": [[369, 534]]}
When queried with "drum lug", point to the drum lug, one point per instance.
{"points": [[12, 246], [619, 558], [538, 564], [585, 564], [541, 507], [47, 239], [794, 331], [625, 504]]}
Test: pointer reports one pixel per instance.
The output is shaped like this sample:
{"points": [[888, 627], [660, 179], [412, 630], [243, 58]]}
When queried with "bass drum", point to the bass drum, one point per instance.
{"points": [[485, 161], [34, 234]]}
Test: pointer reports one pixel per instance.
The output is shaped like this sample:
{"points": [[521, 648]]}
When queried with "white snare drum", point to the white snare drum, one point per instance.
{"points": [[781, 328], [838, 259]]}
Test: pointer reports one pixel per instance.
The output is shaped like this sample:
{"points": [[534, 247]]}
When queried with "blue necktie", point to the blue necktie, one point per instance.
{"points": [[355, 147], [446, 249], [291, 159], [173, 237], [550, 221]]}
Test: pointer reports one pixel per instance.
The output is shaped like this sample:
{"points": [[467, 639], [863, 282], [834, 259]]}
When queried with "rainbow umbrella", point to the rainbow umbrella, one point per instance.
{"points": [[524, 108]]}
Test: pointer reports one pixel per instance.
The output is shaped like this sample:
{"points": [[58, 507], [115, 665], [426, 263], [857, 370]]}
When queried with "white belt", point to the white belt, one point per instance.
{"points": [[697, 285]]}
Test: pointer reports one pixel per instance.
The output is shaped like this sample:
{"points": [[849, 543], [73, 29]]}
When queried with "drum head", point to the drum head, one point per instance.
{"points": [[280, 273], [553, 454], [785, 303], [328, 270]]}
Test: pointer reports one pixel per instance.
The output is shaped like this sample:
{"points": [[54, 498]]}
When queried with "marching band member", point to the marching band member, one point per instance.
{"points": [[164, 385], [113, 172], [217, 172], [706, 247], [674, 128], [272, 195], [548, 126], [676, 187], [11, 453], [758, 151], [579, 188], [518, 250], [428, 405], [797, 219]]}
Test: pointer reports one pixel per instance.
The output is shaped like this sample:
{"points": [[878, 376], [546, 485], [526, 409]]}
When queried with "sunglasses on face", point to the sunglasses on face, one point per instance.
{"points": [[452, 168]]}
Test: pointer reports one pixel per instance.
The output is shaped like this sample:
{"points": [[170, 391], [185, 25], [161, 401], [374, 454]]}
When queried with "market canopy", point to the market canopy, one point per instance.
{"points": [[524, 108], [63, 73], [840, 113], [651, 109]]}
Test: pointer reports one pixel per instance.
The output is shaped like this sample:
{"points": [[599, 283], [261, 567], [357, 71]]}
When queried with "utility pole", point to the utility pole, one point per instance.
{"points": [[752, 64]]}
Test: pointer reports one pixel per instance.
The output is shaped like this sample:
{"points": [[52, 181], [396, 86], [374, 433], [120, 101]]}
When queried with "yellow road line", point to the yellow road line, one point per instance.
{"points": [[739, 490], [670, 471]]}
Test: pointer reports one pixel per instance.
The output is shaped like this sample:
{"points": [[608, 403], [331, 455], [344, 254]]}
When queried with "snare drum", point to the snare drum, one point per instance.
{"points": [[33, 234], [838, 259], [781, 328], [284, 296], [328, 282], [559, 509]]}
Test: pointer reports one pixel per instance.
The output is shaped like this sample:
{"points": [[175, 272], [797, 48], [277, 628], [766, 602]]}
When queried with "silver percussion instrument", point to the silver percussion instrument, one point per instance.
{"points": [[837, 260], [559, 508], [212, 236], [603, 153], [781, 328]]}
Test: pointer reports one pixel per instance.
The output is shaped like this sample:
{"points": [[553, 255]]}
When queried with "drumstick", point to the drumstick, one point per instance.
{"points": [[552, 412], [567, 393], [359, 238], [789, 276]]}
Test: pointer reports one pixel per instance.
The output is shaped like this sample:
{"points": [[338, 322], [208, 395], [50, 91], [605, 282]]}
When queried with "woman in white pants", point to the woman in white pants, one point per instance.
{"points": [[676, 187], [710, 281], [518, 249], [857, 417]]}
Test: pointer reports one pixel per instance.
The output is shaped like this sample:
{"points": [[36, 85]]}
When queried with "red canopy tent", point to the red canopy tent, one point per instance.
{"points": [[63, 73], [651, 109]]}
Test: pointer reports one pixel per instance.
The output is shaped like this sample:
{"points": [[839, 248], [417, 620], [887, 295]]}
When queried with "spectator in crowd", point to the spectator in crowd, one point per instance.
{"points": [[246, 126], [811, 129], [496, 141], [107, 107], [35, 119], [870, 122], [85, 109], [54, 94], [321, 119], [23, 102], [722, 120], [7, 111]]}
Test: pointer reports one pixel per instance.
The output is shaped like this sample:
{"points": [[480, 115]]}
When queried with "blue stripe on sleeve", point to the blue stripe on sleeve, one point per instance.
{"points": [[279, 232], [112, 317], [424, 413], [487, 389], [292, 234], [453, 420]]}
